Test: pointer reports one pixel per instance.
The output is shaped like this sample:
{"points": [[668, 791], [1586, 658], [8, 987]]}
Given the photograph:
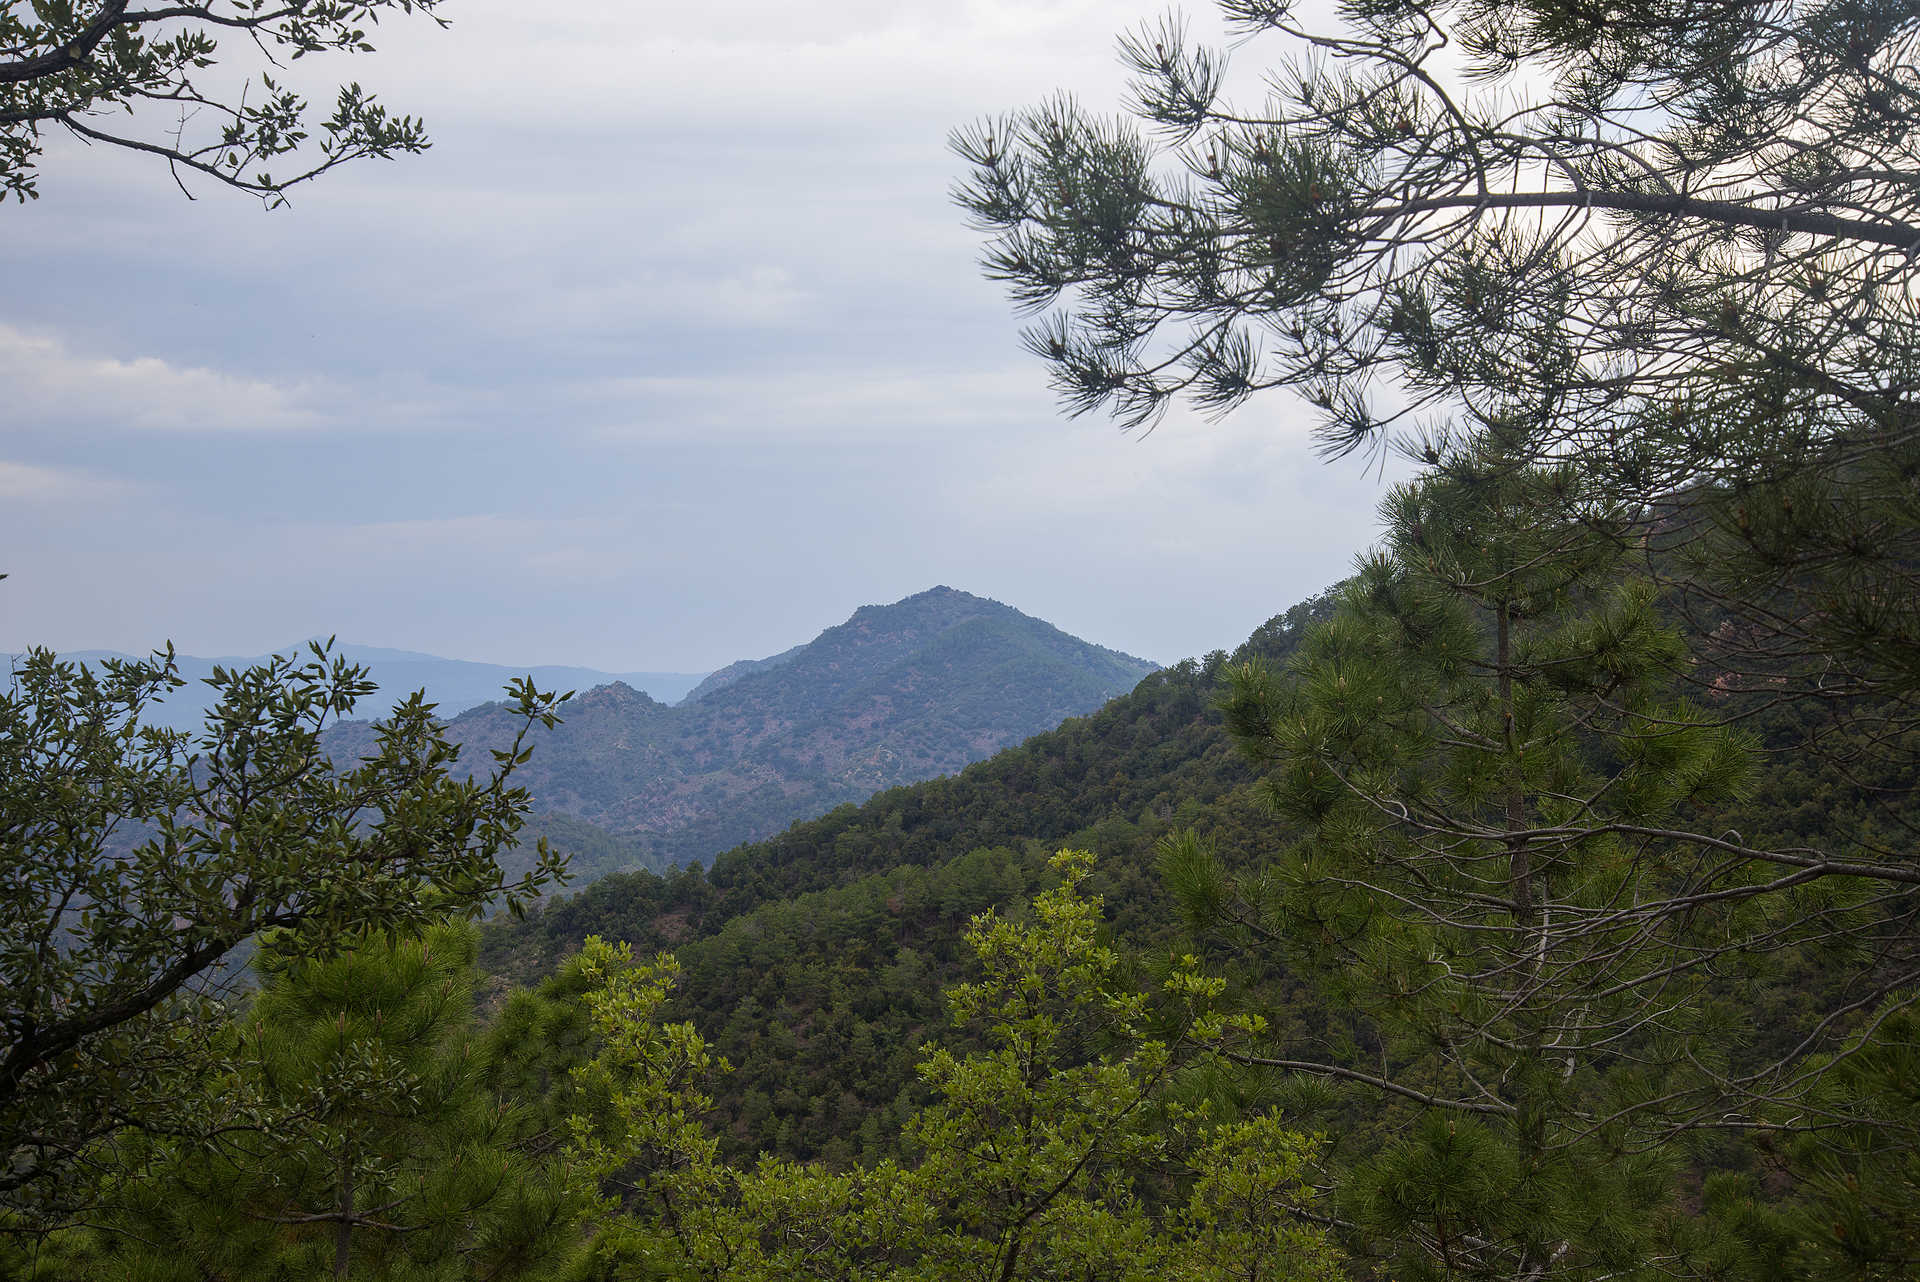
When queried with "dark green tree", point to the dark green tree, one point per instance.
{"points": [[1634, 284], [383, 1152], [148, 79], [1493, 776], [134, 863], [1854, 1211], [1559, 211]]}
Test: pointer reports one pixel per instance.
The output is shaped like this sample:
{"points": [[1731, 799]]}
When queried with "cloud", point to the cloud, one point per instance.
{"points": [[752, 298], [1190, 488], [564, 549], [48, 382], [768, 65], [836, 405], [28, 483], [671, 351]]}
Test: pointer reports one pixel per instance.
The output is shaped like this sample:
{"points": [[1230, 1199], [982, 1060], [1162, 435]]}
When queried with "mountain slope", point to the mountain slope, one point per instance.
{"points": [[897, 693], [815, 958]]}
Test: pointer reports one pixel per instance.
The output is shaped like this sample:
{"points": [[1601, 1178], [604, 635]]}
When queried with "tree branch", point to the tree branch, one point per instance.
{"points": [[69, 55], [1382, 1083], [1896, 235]]}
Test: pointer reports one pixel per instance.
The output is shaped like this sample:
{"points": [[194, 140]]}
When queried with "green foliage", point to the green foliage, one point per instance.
{"points": [[1708, 373], [1666, 242], [1059, 1149], [135, 861], [1846, 1153], [362, 1141], [77, 65], [1660, 277], [1522, 869], [812, 960], [648, 1135], [1509, 869], [814, 963]]}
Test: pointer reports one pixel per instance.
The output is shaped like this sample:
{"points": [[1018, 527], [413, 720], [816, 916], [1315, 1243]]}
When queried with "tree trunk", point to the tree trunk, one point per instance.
{"points": [[343, 1227], [1519, 863]]}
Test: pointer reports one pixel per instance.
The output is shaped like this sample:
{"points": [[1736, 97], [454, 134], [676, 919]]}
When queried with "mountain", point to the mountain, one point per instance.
{"points": [[455, 684], [897, 693]]}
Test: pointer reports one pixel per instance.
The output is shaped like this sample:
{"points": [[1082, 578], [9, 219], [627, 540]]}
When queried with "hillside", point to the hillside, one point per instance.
{"points": [[896, 694], [814, 959]]}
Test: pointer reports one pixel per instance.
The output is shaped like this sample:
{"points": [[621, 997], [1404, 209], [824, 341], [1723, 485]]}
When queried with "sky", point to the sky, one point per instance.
{"points": [[673, 350]]}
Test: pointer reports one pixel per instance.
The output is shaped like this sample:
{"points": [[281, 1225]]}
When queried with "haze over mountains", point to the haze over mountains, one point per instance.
{"points": [[896, 694], [454, 684]]}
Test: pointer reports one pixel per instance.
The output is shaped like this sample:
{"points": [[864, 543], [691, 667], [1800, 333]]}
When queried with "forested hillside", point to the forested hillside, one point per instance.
{"points": [[815, 959], [1156, 756], [815, 963]]}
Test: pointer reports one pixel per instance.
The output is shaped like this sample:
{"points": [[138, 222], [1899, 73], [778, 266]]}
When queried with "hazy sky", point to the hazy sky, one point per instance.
{"points": [[672, 351]]}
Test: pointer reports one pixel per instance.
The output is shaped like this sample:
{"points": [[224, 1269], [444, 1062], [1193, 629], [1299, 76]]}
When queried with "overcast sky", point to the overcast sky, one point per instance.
{"points": [[672, 351]]}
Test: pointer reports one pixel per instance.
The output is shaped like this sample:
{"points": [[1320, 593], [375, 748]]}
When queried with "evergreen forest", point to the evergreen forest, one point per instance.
{"points": [[1541, 901]]}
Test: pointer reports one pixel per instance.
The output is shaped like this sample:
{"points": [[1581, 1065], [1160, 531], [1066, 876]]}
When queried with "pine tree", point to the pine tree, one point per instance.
{"points": [[1672, 241], [377, 1151], [1642, 226], [1853, 1214], [1492, 774], [1633, 285]]}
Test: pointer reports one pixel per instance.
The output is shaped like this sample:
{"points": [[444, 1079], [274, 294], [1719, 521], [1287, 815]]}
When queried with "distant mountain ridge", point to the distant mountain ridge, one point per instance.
{"points": [[454, 684], [896, 694], [734, 671]]}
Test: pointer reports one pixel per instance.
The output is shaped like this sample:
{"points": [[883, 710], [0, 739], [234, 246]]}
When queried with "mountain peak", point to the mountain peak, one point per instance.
{"points": [[938, 606], [901, 692], [938, 595]]}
